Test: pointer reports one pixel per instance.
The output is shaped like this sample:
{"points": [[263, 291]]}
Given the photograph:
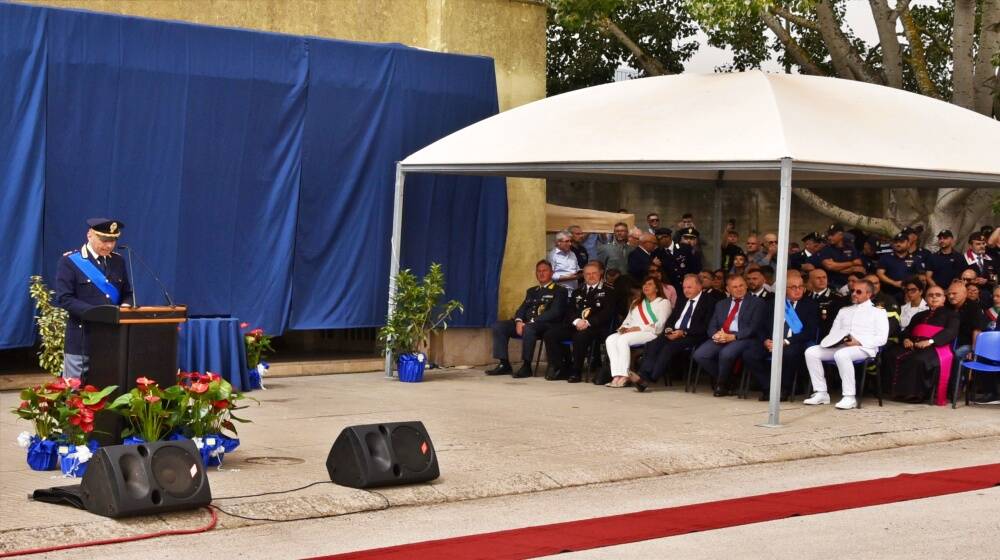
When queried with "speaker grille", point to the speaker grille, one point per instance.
{"points": [[134, 475], [413, 450], [176, 471]]}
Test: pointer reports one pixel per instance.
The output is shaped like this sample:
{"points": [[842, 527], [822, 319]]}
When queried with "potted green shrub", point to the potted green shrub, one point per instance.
{"points": [[416, 311], [51, 326]]}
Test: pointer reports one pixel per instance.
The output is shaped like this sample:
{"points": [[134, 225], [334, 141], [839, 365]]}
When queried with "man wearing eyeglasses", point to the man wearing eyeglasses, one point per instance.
{"points": [[652, 222], [565, 267], [857, 333]]}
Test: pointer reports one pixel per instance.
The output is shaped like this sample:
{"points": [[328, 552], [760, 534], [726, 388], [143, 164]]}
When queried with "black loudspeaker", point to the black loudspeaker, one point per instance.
{"points": [[382, 455], [125, 480]]}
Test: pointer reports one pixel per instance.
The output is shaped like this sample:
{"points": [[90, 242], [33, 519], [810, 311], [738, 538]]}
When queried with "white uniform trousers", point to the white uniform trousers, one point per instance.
{"points": [[844, 357], [620, 351]]}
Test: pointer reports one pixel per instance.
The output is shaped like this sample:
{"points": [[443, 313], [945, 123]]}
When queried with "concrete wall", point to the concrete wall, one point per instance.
{"points": [[512, 32], [752, 209]]}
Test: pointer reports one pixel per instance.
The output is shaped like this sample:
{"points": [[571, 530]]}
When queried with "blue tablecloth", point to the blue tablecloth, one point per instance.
{"points": [[214, 345]]}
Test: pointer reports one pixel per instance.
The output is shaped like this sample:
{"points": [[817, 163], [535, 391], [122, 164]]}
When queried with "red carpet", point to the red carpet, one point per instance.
{"points": [[542, 540]]}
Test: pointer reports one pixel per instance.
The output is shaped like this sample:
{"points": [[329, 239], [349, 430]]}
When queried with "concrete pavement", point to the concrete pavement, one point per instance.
{"points": [[495, 436]]}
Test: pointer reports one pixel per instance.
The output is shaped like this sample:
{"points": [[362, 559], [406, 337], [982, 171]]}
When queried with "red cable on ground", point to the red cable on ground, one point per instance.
{"points": [[211, 525]]}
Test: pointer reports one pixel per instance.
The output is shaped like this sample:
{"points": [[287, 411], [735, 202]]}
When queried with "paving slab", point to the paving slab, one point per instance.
{"points": [[494, 436]]}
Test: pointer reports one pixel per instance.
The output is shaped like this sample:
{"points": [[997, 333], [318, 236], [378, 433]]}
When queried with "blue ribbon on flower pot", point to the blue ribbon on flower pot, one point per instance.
{"points": [[41, 453], [411, 367], [133, 440], [73, 459], [257, 375]]}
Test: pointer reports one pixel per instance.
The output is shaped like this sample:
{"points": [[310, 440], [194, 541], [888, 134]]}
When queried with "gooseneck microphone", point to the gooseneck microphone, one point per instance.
{"points": [[131, 274], [166, 294]]}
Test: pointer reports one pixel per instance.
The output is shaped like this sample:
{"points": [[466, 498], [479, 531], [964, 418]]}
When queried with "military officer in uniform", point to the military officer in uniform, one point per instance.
{"points": [[686, 260], [543, 306], [827, 301], [587, 318], [85, 278]]}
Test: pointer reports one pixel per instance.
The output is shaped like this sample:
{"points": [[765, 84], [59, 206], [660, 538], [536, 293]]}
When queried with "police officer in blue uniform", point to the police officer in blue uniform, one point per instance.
{"points": [[808, 258], [838, 258], [946, 264], [85, 278], [896, 267]]}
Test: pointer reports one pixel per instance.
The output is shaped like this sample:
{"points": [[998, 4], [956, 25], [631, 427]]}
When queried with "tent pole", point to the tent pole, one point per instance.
{"points": [[397, 234], [780, 283], [717, 219]]}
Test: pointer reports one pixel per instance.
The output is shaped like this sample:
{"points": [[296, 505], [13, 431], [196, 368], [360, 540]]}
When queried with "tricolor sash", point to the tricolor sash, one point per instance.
{"points": [[649, 310], [96, 277]]}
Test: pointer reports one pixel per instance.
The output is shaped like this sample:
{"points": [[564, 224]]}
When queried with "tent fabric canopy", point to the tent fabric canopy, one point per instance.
{"points": [[558, 218], [691, 127]]}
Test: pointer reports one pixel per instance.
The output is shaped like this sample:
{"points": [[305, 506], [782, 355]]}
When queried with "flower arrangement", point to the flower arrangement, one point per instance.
{"points": [[152, 413], [258, 344], [207, 402]]}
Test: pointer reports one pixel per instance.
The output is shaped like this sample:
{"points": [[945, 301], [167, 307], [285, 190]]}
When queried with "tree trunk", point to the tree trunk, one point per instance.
{"points": [[986, 83], [845, 59], [846, 217], [963, 27], [892, 53], [960, 210], [917, 59], [651, 65]]}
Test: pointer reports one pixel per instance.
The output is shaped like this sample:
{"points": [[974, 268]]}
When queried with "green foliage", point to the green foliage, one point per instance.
{"points": [[581, 54], [151, 412], [416, 311], [62, 409], [51, 322]]}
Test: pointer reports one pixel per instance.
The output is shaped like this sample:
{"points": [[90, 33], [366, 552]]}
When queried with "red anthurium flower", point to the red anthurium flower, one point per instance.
{"points": [[24, 404], [244, 325], [57, 385], [75, 419], [90, 389], [73, 382], [199, 387], [221, 405], [74, 402], [87, 428], [145, 383], [99, 405], [257, 332], [213, 376], [151, 398]]}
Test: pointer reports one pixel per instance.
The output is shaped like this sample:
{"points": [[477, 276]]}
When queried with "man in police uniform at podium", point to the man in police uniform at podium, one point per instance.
{"points": [[85, 278]]}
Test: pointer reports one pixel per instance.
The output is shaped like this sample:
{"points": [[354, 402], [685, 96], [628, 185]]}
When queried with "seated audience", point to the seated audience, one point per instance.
{"points": [[685, 329], [707, 280], [913, 290], [543, 306], [826, 299], [993, 311], [647, 314], [857, 333], [801, 328], [736, 325], [757, 284], [587, 319], [927, 356]]}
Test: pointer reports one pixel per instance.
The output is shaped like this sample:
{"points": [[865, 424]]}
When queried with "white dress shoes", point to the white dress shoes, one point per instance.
{"points": [[818, 397], [847, 403]]}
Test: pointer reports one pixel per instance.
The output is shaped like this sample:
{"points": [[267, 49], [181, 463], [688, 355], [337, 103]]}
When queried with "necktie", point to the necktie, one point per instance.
{"points": [[732, 315], [686, 319]]}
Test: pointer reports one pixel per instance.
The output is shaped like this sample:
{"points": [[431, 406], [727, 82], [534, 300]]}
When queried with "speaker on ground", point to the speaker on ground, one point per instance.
{"points": [[388, 454], [149, 478]]}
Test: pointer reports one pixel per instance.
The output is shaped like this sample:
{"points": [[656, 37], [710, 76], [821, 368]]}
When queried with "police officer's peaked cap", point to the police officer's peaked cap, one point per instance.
{"points": [[663, 231], [105, 227], [813, 236], [945, 233], [901, 236], [835, 228], [689, 232]]}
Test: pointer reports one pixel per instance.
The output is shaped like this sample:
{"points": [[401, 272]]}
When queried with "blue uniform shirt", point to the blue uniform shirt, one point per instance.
{"points": [[945, 267], [900, 268], [847, 254], [76, 294]]}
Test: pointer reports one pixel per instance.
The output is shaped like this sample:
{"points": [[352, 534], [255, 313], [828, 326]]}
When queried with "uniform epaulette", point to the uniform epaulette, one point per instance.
{"points": [[116, 253], [68, 253]]}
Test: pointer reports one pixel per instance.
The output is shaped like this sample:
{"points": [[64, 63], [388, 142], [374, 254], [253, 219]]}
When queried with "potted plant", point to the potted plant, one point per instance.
{"points": [[151, 412], [63, 414], [206, 405], [258, 344], [51, 322], [416, 312]]}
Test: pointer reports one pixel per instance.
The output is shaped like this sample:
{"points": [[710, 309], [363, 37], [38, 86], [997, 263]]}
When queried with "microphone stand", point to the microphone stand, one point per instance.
{"points": [[131, 274], [166, 294]]}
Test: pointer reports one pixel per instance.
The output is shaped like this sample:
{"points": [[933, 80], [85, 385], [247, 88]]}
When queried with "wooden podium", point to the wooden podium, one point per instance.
{"points": [[126, 343]]}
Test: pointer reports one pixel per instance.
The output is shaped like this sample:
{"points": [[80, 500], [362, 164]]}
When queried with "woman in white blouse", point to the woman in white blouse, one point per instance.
{"points": [[913, 290], [647, 314]]}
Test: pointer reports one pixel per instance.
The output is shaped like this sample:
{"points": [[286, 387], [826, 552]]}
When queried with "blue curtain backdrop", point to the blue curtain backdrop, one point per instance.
{"points": [[254, 172]]}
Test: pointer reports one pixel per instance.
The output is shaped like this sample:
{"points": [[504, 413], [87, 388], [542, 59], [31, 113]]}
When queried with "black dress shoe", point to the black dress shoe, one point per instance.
{"points": [[573, 379], [525, 371], [721, 393], [555, 375], [503, 368]]}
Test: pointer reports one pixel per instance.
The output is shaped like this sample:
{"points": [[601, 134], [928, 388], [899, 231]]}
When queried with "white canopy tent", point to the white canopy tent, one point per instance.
{"points": [[743, 129]]}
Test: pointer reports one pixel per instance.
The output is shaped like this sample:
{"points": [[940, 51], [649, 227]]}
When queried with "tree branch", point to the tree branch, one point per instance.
{"points": [[867, 223], [799, 54], [845, 57], [798, 20], [651, 65], [917, 59], [892, 53]]}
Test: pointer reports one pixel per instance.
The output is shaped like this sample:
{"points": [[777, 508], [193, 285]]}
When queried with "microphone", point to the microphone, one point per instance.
{"points": [[131, 274], [166, 294]]}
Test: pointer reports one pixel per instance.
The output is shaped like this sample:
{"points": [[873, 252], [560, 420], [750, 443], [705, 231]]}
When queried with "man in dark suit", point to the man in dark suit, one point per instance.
{"points": [[543, 306], [737, 324], [640, 259], [85, 278], [797, 338], [684, 330], [755, 285], [588, 318]]}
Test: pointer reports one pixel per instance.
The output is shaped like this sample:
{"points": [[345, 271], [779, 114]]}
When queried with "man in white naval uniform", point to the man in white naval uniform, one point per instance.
{"points": [[857, 333]]}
